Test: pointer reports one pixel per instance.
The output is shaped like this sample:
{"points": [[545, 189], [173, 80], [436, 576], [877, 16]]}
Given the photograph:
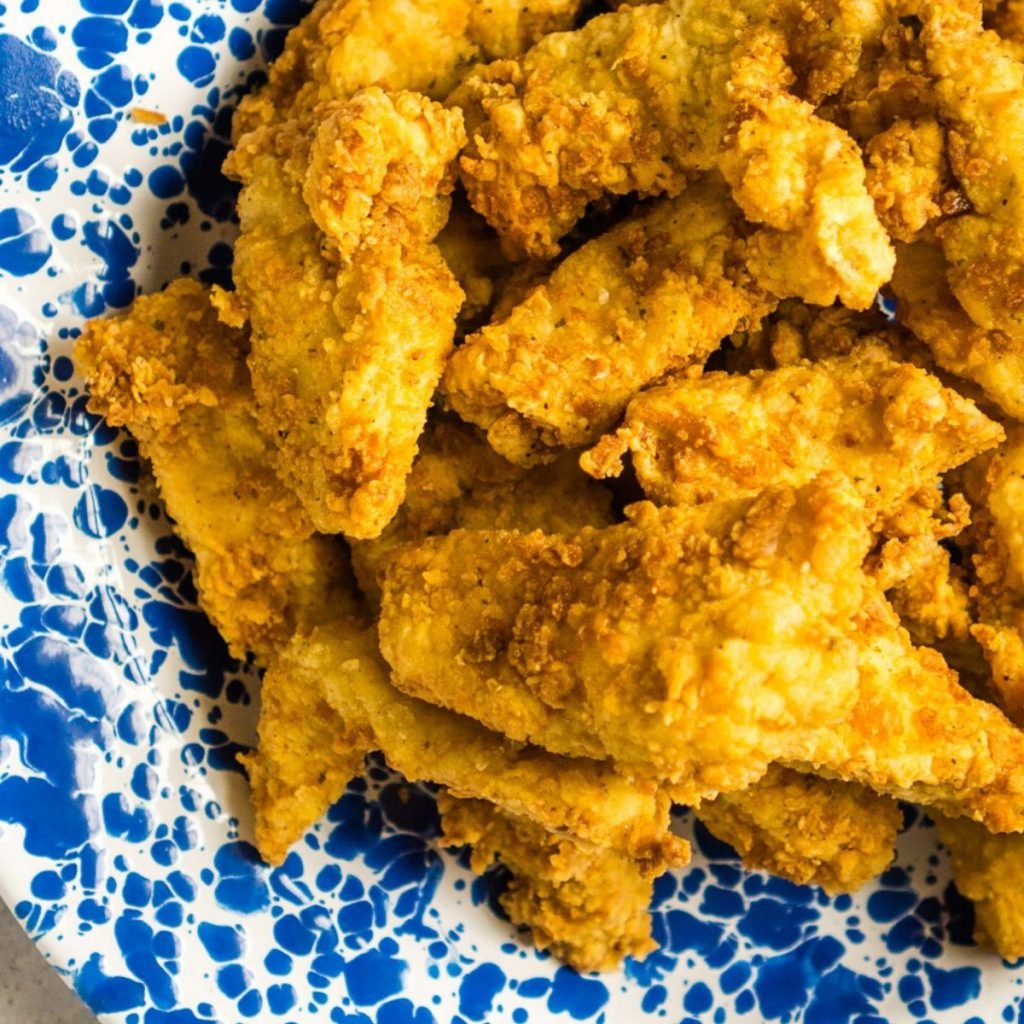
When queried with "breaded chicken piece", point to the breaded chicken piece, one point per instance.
{"points": [[987, 870], [812, 831], [908, 175], [655, 293], [859, 413], [306, 755], [337, 672], [349, 338], [425, 46], [890, 108], [889, 427], [696, 646], [588, 905], [828, 39], [458, 480], [380, 168], [176, 377], [980, 92], [585, 798], [995, 488], [804, 180], [641, 99], [926, 305]]}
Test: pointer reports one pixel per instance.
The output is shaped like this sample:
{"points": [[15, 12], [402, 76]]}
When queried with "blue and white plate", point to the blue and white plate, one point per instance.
{"points": [[125, 843]]}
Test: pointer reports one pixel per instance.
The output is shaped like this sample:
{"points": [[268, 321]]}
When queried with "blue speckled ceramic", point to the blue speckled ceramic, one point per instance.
{"points": [[124, 831]]}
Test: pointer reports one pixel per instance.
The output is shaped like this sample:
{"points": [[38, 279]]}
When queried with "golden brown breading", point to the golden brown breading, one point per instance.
{"points": [[380, 165], [987, 869], [827, 40], [585, 798], [697, 646], [914, 568], [588, 905], [891, 81], [306, 754], [804, 180], [812, 831], [859, 413], [995, 488], [346, 354], [655, 293], [908, 175], [890, 108], [924, 304], [458, 480], [176, 377], [639, 100], [889, 427], [339, 670], [425, 46], [980, 92]]}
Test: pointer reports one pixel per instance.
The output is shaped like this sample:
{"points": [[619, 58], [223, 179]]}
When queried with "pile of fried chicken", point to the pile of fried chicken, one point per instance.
{"points": [[552, 443]]}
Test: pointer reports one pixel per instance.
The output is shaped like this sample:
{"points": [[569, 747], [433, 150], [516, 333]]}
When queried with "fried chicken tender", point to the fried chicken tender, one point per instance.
{"points": [[425, 46], [696, 646], [306, 755], [987, 869], [925, 304], [812, 831], [889, 427], [803, 179], [380, 164], [350, 327], [340, 665], [588, 905], [980, 92], [639, 100], [176, 377], [458, 480], [657, 292], [585, 798]]}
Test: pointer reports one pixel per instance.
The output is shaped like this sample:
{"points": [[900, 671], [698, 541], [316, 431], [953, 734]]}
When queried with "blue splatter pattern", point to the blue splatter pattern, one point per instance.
{"points": [[124, 828]]}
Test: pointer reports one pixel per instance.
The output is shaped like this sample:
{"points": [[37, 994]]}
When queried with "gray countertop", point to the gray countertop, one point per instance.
{"points": [[30, 991]]}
